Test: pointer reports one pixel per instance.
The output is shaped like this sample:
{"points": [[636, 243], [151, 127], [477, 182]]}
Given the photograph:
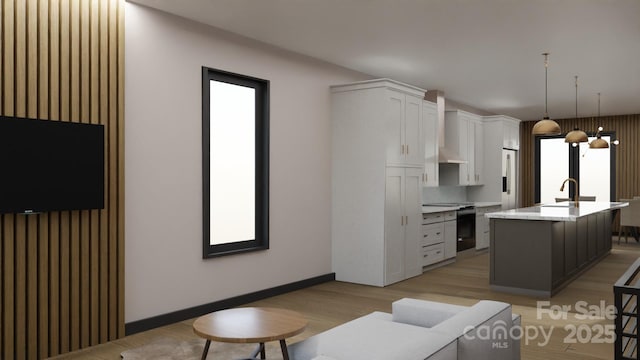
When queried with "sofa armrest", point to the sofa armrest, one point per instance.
{"points": [[483, 331], [422, 312]]}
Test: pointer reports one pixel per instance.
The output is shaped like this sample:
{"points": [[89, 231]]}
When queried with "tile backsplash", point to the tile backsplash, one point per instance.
{"points": [[444, 194]]}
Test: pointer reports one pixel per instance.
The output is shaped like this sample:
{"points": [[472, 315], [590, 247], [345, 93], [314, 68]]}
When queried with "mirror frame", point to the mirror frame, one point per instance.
{"points": [[261, 87]]}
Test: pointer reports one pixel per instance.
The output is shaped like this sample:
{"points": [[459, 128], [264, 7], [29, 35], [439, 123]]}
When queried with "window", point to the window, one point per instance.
{"points": [[594, 169], [235, 163]]}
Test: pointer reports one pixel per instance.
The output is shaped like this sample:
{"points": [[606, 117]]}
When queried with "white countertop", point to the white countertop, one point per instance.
{"points": [[486, 203], [563, 211], [437, 209]]}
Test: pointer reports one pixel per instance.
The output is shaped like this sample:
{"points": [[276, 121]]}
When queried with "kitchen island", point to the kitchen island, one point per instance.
{"points": [[538, 250]]}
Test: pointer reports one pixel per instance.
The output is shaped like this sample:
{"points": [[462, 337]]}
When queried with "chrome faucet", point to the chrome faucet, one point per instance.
{"points": [[576, 196]]}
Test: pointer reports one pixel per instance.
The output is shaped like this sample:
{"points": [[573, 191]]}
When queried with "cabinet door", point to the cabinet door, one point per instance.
{"points": [[413, 142], [450, 233], [478, 155], [413, 222], [482, 232], [394, 226], [430, 124], [463, 148], [394, 129]]}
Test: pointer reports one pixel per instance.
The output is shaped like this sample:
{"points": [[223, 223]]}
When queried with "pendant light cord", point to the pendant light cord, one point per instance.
{"points": [[576, 96], [546, 65]]}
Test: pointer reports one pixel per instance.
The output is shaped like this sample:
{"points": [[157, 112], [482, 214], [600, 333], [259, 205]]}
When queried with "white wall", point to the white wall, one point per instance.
{"points": [[163, 238]]}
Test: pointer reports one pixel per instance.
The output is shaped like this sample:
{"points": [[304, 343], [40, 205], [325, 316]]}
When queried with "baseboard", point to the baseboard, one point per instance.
{"points": [[189, 313]]}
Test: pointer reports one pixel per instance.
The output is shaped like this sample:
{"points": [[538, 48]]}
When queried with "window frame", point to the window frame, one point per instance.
{"points": [[261, 87]]}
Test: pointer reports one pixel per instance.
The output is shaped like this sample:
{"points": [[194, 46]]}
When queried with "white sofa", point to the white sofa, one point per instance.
{"points": [[418, 330]]}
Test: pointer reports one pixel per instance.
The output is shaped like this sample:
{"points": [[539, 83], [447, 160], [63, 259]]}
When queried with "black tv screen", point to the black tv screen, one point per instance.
{"points": [[50, 165]]}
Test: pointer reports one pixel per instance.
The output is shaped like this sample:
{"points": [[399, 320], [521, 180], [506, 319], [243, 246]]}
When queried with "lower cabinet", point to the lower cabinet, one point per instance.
{"points": [[402, 224], [482, 226], [438, 237], [450, 239]]}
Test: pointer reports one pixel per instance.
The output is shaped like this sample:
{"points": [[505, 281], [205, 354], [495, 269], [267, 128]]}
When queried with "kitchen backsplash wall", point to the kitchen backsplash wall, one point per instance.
{"points": [[444, 194]]}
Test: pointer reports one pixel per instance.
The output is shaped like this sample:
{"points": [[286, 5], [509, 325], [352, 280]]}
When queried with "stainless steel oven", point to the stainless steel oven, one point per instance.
{"points": [[466, 228]]}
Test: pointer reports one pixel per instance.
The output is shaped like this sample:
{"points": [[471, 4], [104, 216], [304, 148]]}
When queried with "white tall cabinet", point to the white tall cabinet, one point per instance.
{"points": [[377, 179]]}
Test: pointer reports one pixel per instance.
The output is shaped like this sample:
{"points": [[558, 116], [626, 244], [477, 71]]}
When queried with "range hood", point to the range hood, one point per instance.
{"points": [[445, 154]]}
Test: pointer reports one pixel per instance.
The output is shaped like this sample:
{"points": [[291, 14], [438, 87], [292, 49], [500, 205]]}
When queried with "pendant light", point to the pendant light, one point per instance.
{"points": [[576, 135], [599, 142], [546, 126]]}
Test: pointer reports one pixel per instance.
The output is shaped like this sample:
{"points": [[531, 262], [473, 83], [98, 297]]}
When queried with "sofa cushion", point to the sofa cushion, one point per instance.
{"points": [[422, 312], [376, 337]]}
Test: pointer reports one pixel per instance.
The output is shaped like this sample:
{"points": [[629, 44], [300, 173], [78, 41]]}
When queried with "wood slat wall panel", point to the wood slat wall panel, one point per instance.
{"points": [[62, 273], [627, 128]]}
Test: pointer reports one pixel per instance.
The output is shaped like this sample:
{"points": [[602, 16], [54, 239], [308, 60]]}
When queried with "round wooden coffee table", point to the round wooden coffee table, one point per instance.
{"points": [[250, 325]]}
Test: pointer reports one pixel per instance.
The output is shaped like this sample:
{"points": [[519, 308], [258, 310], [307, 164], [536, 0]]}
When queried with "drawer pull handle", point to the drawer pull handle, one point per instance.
{"points": [[426, 255], [438, 252], [437, 233]]}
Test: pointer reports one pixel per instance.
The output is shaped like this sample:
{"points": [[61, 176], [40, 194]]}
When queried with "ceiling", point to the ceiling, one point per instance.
{"points": [[485, 54]]}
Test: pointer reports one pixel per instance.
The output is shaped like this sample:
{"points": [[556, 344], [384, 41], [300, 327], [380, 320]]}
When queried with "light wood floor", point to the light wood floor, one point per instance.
{"points": [[464, 282]]}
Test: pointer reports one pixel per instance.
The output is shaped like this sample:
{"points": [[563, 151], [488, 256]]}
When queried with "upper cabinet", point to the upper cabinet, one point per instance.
{"points": [[464, 133], [511, 133], [403, 128], [430, 124]]}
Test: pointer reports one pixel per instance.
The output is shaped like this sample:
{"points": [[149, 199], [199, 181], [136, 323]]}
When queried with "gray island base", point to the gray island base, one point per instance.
{"points": [[538, 250]]}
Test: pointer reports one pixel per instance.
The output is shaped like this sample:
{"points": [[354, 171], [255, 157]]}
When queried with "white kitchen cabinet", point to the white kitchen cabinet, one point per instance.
{"points": [[450, 239], [464, 133], [402, 223], [430, 124], [478, 152], [482, 225], [404, 128], [438, 237], [377, 168], [511, 134]]}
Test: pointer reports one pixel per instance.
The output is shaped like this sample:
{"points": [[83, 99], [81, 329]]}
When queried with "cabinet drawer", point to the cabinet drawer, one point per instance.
{"points": [[432, 234], [432, 218], [432, 254], [449, 215]]}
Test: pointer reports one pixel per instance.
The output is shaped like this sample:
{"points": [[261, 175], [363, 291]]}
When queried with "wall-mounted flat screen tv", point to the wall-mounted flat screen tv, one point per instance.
{"points": [[50, 165]]}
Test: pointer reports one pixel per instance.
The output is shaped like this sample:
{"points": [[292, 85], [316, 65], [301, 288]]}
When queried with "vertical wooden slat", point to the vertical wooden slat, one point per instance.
{"points": [[65, 226], [95, 214], [85, 265], [113, 170], [120, 171], [54, 217], [20, 98], [104, 219], [32, 221], [3, 291], [43, 231], [54, 281], [9, 300], [74, 62]]}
